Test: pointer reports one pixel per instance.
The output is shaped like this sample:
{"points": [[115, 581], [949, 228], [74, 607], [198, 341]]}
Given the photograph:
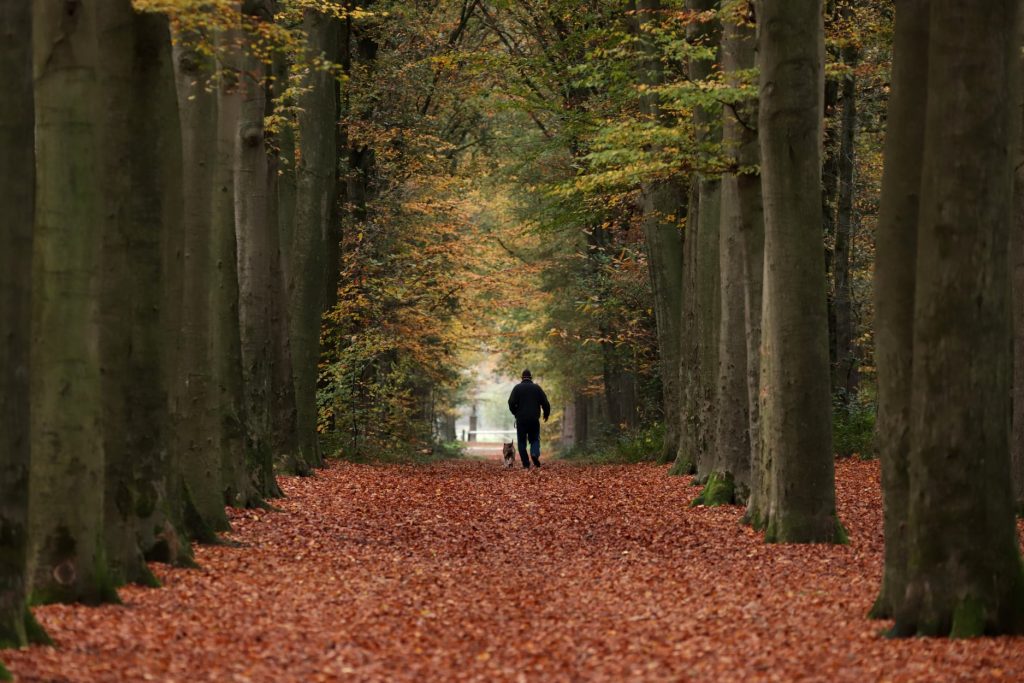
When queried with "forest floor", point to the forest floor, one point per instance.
{"points": [[465, 571]]}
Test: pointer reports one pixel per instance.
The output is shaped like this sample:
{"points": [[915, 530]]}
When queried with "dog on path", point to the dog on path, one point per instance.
{"points": [[509, 454]]}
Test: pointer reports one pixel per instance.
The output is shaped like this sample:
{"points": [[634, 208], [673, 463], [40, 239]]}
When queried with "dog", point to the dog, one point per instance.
{"points": [[509, 454]]}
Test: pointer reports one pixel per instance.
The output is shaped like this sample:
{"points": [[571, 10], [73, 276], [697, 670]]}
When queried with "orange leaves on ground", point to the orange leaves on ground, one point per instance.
{"points": [[466, 571]]}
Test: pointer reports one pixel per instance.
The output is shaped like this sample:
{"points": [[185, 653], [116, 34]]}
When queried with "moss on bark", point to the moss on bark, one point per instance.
{"points": [[720, 489], [35, 634], [682, 467]]}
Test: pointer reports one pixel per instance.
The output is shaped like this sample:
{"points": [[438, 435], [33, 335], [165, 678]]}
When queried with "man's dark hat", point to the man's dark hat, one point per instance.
{"points": [[527, 374]]}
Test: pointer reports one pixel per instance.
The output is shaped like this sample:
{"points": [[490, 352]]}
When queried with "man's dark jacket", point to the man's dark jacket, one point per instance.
{"points": [[527, 400]]}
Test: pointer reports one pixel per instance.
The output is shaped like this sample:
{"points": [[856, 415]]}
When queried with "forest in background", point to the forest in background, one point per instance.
{"points": [[257, 234]]}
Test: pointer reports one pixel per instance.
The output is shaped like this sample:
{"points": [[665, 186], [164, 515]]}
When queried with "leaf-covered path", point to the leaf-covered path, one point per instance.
{"points": [[465, 571]]}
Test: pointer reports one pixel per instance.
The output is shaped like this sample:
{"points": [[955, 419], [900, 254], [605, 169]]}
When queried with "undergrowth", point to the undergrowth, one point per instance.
{"points": [[339, 447], [635, 446], [853, 425]]}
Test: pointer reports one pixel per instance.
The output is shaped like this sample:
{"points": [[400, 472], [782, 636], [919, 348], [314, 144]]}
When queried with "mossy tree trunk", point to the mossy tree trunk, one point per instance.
{"points": [[895, 263], [964, 575], [141, 170], [197, 422], [17, 190], [740, 216], [796, 426], [664, 205], [315, 177], [66, 480], [256, 236]]}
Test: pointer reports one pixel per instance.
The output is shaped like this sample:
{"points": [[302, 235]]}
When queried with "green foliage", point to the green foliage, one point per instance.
{"points": [[853, 425], [636, 446]]}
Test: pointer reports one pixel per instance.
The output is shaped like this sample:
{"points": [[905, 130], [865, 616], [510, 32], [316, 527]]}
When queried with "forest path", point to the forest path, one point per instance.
{"points": [[465, 571]]}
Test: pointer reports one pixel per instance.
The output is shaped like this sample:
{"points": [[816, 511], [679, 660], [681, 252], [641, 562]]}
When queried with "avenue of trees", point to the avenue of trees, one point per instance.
{"points": [[235, 232]]}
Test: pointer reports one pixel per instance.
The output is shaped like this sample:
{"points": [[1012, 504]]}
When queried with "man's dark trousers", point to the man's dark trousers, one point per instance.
{"points": [[528, 429]]}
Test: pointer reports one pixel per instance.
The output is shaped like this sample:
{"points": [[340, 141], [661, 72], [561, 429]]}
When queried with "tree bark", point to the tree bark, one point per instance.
{"points": [[844, 376], [141, 167], [895, 263], [964, 572], [689, 352], [239, 489], [1017, 265], [699, 319], [66, 480], [315, 176], [662, 203], [796, 420], [257, 240], [17, 192], [284, 431], [741, 221], [197, 423]]}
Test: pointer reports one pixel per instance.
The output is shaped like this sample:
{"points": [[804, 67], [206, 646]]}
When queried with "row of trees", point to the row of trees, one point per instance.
{"points": [[755, 410], [166, 260]]}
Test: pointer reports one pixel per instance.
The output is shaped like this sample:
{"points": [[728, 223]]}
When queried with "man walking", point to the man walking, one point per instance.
{"points": [[526, 402]]}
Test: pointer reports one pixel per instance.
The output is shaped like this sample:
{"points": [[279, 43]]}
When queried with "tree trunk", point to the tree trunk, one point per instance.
{"points": [[17, 190], [142, 163], [662, 204], [796, 420], [66, 440], [964, 573], [729, 475], [284, 433], [256, 237], [315, 176], [198, 423], [699, 320], [895, 263], [226, 345], [689, 352], [844, 376], [1017, 265], [707, 309]]}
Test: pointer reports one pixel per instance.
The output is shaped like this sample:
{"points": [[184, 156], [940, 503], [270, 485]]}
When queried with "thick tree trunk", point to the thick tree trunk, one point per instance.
{"points": [[689, 352], [707, 310], [229, 405], [663, 203], [256, 235], [752, 237], [17, 190], [1017, 265], [844, 375], [729, 477], [315, 175], [729, 465], [197, 423], [964, 572], [700, 300], [895, 264], [67, 442], [141, 167], [796, 420], [284, 432]]}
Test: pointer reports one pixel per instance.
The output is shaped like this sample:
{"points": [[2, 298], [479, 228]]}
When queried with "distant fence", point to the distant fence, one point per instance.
{"points": [[477, 433]]}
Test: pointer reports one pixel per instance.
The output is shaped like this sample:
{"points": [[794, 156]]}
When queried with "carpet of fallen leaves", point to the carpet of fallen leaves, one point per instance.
{"points": [[466, 571]]}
